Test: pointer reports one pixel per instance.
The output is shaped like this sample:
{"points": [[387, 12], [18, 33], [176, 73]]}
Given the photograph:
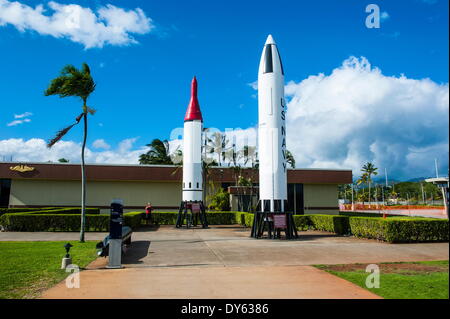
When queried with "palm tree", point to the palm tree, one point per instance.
{"points": [[232, 156], [218, 143], [75, 82], [177, 157], [249, 154], [362, 180], [290, 159], [159, 153], [369, 169]]}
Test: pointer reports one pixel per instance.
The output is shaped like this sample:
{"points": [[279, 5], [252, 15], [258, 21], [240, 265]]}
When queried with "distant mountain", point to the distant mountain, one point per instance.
{"points": [[381, 180]]}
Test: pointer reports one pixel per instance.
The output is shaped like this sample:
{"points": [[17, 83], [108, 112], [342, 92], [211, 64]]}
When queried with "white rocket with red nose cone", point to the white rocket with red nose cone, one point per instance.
{"points": [[272, 130], [192, 149]]}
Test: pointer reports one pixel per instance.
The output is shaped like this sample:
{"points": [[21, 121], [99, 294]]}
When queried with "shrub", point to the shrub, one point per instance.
{"points": [[52, 222], [244, 219], [71, 210], [24, 210], [360, 214], [165, 218], [213, 218], [221, 218], [398, 230], [220, 200], [332, 223], [132, 219], [302, 222], [48, 210], [371, 214], [62, 222]]}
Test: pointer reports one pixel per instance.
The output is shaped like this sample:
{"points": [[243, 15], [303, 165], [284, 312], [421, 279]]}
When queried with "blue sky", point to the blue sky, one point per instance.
{"points": [[143, 87]]}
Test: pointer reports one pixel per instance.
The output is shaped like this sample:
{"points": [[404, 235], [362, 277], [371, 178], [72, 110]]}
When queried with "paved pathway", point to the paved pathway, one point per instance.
{"points": [[223, 262], [211, 282]]}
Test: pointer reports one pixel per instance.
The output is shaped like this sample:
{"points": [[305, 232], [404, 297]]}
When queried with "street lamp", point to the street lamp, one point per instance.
{"points": [[67, 260]]}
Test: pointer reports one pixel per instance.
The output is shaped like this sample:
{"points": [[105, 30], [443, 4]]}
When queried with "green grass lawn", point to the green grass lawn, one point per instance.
{"points": [[405, 280], [28, 268]]}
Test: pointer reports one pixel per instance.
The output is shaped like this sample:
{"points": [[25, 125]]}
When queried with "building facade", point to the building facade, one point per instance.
{"points": [[58, 184]]}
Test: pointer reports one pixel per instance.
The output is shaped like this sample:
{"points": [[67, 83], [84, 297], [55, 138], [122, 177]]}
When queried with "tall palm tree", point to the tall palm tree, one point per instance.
{"points": [[362, 180], [248, 153], [232, 156], [159, 153], [369, 169], [75, 82], [218, 144]]}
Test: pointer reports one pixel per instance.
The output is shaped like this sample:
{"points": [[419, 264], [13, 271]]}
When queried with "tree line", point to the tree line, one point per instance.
{"points": [[216, 151], [364, 189]]}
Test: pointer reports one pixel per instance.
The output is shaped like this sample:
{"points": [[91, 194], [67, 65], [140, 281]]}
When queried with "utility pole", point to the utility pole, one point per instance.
{"points": [[353, 206], [436, 166], [423, 195], [385, 175]]}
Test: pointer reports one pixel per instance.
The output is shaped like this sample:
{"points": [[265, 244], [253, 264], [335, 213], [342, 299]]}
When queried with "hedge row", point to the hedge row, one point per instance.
{"points": [[393, 230], [371, 214], [400, 230], [214, 218], [23, 209], [73, 210], [63, 222], [388, 207], [48, 210]]}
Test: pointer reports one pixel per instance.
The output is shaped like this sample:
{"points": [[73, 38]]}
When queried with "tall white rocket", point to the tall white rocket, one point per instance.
{"points": [[272, 130], [192, 149]]}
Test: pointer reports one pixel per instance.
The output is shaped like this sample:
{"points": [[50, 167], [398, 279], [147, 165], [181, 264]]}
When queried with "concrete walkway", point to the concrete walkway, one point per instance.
{"points": [[210, 283], [223, 262]]}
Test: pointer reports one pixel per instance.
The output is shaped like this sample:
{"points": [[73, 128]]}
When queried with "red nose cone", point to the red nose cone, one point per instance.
{"points": [[193, 112]]}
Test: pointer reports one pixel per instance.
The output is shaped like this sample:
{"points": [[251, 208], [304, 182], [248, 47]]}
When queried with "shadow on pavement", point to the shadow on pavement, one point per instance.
{"points": [[316, 236], [146, 228], [137, 251]]}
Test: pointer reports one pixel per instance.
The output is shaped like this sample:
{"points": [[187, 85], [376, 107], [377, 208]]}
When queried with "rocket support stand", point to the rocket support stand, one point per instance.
{"points": [[264, 220], [191, 217]]}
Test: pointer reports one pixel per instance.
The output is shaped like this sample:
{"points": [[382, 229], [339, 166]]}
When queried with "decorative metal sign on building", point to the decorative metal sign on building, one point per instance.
{"points": [[22, 168]]}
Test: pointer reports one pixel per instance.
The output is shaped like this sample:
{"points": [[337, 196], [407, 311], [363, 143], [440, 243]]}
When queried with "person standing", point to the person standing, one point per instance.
{"points": [[148, 213]]}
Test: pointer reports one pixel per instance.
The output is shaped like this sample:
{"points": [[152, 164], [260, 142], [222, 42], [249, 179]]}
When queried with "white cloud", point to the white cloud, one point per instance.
{"points": [[100, 143], [20, 119], [253, 85], [35, 150], [341, 120], [17, 122], [357, 114], [109, 25], [20, 116], [384, 16]]}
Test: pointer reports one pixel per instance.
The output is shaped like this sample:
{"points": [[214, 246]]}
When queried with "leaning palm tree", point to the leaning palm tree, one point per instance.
{"points": [[369, 169], [75, 82], [159, 153], [290, 159]]}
